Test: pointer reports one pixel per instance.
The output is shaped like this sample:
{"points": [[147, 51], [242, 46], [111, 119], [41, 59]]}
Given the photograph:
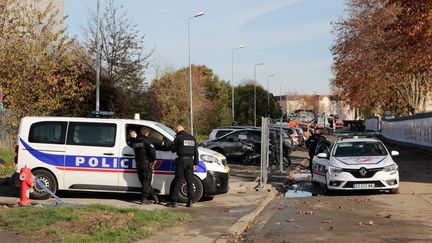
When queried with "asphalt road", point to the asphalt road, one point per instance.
{"points": [[354, 217]]}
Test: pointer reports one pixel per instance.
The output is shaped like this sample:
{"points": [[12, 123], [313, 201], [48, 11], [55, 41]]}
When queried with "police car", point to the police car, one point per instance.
{"points": [[92, 154], [356, 163]]}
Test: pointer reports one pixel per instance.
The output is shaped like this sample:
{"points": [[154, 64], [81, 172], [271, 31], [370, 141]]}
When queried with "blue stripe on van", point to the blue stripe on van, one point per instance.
{"points": [[99, 162]]}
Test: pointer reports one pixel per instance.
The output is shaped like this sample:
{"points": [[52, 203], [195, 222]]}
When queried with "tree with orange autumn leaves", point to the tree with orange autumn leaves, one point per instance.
{"points": [[383, 56], [41, 70]]}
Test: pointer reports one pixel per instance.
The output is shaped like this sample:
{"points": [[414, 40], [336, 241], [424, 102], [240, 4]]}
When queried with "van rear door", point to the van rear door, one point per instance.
{"points": [[92, 156]]}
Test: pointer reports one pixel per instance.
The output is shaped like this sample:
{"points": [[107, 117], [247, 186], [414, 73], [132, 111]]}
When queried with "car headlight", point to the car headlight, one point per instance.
{"points": [[334, 170], [209, 158], [390, 168]]}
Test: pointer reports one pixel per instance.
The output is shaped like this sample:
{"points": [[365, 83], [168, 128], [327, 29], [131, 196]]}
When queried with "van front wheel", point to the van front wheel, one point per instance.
{"points": [[48, 180], [198, 190]]}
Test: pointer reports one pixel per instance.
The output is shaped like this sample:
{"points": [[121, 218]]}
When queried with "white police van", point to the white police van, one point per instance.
{"points": [[92, 154]]}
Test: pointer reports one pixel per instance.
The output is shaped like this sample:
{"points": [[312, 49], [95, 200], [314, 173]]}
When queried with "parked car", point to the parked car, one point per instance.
{"points": [[293, 134], [302, 137], [356, 164], [339, 123], [231, 145], [220, 131]]}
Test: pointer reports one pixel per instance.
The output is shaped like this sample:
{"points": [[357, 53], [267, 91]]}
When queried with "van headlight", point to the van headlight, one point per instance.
{"points": [[209, 158], [390, 168], [334, 170]]}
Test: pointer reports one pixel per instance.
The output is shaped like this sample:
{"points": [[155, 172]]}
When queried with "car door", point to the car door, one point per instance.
{"points": [[232, 144], [163, 168], [320, 165], [91, 156]]}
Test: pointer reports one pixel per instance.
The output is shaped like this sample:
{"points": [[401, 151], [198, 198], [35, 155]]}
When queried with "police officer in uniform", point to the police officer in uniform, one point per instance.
{"points": [[145, 156], [187, 161], [312, 143]]}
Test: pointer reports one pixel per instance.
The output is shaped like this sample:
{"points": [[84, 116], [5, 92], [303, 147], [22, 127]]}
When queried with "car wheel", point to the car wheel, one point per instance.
{"points": [[394, 191], [48, 180], [247, 158], [197, 188]]}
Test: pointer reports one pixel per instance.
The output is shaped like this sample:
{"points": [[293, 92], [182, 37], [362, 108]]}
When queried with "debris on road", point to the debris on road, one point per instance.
{"points": [[326, 221]]}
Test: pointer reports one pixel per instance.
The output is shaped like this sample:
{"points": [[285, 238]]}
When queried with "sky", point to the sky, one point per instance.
{"points": [[291, 37]]}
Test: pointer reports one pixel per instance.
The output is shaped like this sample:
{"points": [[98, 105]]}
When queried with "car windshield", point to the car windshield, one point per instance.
{"points": [[166, 129], [352, 149]]}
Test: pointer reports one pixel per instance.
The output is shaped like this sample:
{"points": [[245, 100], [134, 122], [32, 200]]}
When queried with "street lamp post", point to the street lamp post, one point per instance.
{"points": [[258, 64], [232, 80], [190, 72], [268, 95], [97, 58]]}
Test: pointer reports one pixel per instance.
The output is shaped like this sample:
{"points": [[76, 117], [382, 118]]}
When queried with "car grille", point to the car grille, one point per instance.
{"points": [[350, 184], [369, 172]]}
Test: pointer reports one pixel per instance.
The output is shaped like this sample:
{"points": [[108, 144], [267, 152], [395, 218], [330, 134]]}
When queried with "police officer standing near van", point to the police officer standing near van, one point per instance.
{"points": [[145, 156], [187, 161]]}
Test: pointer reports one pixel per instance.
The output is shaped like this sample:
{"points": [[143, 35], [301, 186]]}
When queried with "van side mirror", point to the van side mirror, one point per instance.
{"points": [[322, 155], [394, 153]]}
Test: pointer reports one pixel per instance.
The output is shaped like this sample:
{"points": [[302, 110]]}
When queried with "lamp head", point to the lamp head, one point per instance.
{"points": [[199, 14]]}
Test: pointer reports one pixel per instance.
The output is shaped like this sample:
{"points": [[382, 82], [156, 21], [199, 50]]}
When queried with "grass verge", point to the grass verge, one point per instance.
{"points": [[95, 223], [7, 155]]}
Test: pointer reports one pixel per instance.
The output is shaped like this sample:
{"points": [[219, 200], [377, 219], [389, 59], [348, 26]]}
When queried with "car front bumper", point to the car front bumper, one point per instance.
{"points": [[379, 181]]}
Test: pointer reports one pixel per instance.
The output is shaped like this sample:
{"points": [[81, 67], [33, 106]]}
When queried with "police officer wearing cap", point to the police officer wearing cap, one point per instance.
{"points": [[145, 156], [187, 161]]}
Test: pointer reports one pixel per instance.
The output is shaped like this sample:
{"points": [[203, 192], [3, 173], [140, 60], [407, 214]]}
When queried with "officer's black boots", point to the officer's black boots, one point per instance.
{"points": [[156, 199], [189, 204], [172, 204], [145, 201]]}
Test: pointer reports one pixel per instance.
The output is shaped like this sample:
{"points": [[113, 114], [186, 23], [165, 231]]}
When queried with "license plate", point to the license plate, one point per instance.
{"points": [[363, 186]]}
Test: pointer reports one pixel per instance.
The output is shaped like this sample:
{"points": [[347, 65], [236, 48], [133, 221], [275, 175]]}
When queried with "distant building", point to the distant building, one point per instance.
{"points": [[328, 104]]}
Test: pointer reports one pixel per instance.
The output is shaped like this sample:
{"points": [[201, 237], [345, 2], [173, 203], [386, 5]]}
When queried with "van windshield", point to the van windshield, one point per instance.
{"points": [[166, 129]]}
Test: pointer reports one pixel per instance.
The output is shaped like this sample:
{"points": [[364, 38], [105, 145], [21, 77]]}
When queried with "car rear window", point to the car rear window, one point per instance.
{"points": [[353, 149], [48, 132]]}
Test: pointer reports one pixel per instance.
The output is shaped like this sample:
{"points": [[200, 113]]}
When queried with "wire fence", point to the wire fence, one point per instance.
{"points": [[8, 128]]}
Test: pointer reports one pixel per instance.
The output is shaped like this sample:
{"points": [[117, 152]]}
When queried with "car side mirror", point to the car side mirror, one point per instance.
{"points": [[322, 155], [394, 153]]}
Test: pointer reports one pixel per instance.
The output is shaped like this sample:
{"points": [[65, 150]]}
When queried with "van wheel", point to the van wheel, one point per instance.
{"points": [[48, 180], [198, 190]]}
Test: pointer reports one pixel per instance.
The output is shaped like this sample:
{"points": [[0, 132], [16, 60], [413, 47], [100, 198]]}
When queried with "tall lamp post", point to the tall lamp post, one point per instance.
{"points": [[190, 72], [232, 79], [97, 57], [255, 66], [268, 95]]}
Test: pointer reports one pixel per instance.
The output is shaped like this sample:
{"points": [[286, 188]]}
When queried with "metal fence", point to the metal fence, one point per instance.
{"points": [[272, 148], [8, 128]]}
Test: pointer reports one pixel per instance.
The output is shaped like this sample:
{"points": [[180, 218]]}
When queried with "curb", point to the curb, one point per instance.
{"points": [[244, 222]]}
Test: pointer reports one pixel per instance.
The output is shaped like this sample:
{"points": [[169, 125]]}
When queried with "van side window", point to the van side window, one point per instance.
{"points": [[48, 132], [92, 134], [155, 137]]}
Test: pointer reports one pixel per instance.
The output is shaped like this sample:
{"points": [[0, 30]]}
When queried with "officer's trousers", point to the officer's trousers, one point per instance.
{"points": [[145, 174], [184, 171]]}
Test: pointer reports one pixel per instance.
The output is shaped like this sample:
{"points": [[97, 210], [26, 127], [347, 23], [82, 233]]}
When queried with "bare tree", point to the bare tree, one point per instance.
{"points": [[124, 57]]}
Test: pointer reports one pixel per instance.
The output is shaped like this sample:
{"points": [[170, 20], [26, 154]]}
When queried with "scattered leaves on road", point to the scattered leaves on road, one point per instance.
{"points": [[388, 216], [290, 220]]}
